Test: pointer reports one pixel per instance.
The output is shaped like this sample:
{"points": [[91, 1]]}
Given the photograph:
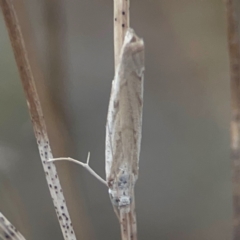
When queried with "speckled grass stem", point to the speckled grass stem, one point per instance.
{"points": [[39, 126], [128, 223], [121, 24], [121, 21], [234, 58], [8, 231]]}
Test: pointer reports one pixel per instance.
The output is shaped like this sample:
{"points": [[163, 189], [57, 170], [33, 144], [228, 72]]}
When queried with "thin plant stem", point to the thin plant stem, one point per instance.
{"points": [[56, 113], [85, 165], [121, 21], [234, 58], [39, 126], [8, 231], [121, 24]]}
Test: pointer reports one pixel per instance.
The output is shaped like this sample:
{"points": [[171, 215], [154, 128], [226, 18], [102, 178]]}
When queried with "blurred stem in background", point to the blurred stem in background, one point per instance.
{"points": [[234, 57], [51, 96], [57, 121]]}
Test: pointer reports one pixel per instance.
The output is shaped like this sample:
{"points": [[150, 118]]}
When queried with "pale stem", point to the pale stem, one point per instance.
{"points": [[128, 222], [85, 165], [38, 122], [121, 24]]}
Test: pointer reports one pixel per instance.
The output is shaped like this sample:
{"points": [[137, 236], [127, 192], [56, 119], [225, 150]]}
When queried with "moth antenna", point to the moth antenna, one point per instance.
{"points": [[85, 165]]}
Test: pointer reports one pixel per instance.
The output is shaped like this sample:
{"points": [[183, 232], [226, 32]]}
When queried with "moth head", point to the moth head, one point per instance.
{"points": [[119, 201], [121, 190], [133, 52]]}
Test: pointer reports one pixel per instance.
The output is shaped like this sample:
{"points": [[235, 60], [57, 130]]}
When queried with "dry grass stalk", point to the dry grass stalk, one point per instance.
{"points": [[121, 24], [121, 19], [55, 115], [39, 126], [8, 231], [234, 58]]}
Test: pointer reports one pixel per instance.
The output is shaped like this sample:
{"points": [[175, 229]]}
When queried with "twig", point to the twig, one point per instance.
{"points": [[85, 165], [8, 231], [121, 19], [234, 58], [121, 24], [128, 223], [55, 114], [37, 118]]}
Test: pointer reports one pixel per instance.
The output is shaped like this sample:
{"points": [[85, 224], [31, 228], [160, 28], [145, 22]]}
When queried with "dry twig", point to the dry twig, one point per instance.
{"points": [[37, 118], [127, 221], [85, 165], [121, 24], [234, 58]]}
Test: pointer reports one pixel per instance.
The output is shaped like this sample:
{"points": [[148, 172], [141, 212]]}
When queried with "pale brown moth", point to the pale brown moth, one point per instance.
{"points": [[124, 122], [124, 125]]}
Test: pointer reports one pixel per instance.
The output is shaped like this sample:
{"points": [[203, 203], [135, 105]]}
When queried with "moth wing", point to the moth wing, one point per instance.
{"points": [[124, 120]]}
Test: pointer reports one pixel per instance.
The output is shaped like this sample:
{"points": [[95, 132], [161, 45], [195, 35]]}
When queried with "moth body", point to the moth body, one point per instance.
{"points": [[121, 189], [124, 122]]}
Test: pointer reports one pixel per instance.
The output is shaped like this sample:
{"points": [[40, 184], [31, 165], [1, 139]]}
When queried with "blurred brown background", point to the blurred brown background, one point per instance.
{"points": [[184, 188]]}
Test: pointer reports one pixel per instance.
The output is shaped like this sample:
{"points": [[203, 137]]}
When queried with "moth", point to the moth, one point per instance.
{"points": [[124, 125], [124, 122]]}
